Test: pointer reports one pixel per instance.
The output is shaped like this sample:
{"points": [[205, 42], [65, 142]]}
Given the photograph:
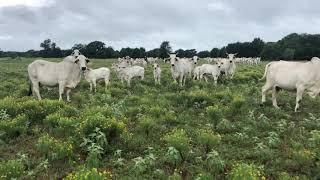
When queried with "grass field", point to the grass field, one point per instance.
{"points": [[147, 131]]}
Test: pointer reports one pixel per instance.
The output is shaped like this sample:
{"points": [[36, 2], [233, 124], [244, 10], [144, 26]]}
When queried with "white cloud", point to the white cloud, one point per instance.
{"points": [[219, 6], [28, 3], [5, 37]]}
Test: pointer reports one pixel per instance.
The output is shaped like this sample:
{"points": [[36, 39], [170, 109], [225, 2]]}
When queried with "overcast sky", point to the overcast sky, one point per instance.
{"points": [[198, 24]]}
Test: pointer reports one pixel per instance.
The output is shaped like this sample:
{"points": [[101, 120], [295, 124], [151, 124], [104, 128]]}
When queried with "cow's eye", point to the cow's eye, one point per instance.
{"points": [[87, 60]]}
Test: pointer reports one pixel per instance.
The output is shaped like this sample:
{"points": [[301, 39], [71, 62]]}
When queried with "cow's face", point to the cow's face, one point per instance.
{"points": [[231, 57], [220, 64], [155, 66], [195, 59], [76, 52], [82, 61]]}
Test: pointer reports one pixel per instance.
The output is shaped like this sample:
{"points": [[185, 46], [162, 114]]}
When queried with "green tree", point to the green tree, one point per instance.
{"points": [[95, 49], [204, 54], [165, 48], [288, 54], [214, 53]]}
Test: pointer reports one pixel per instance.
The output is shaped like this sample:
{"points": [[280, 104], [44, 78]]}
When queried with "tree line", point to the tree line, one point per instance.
{"points": [[292, 47]]}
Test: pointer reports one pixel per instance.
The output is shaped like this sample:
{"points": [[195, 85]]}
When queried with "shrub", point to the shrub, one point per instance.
{"points": [[11, 105], [173, 156], [89, 174], [242, 171], [95, 145], [304, 157], [142, 164], [14, 127], [147, 125], [208, 139], [60, 126], [111, 127], [214, 163], [69, 111], [179, 140], [237, 105], [215, 114], [225, 126], [36, 110], [4, 115], [11, 169], [54, 149]]}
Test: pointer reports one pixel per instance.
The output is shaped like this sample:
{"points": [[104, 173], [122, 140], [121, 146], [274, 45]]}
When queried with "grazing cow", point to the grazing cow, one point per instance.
{"points": [[156, 73], [292, 76], [209, 69], [65, 74], [94, 75], [127, 73]]}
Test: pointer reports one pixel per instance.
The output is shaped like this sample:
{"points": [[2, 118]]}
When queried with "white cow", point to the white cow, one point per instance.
{"points": [[292, 76], [127, 73], [94, 75], [209, 69], [156, 73], [65, 74], [180, 68], [228, 66]]}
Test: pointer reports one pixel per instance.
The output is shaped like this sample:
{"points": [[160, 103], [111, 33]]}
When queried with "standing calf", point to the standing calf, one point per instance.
{"points": [[127, 73], [94, 75], [157, 73]]}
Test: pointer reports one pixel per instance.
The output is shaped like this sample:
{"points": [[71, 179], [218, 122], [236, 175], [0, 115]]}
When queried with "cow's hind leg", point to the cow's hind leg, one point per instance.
{"points": [[61, 90], [274, 97], [68, 95], [36, 90], [300, 91], [95, 86], [90, 86], [265, 89]]}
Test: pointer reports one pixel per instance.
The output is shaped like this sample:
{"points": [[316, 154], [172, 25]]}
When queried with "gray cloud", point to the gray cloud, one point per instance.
{"points": [[133, 23]]}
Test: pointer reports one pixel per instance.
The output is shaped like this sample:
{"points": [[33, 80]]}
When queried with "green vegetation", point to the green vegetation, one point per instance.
{"points": [[291, 47], [200, 131]]}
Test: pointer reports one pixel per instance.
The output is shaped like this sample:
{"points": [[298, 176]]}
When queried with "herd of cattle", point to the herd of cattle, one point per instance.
{"points": [[299, 76]]}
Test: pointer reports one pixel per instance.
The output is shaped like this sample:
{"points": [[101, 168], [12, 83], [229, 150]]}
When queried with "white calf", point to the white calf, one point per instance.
{"points": [[157, 73], [94, 75], [127, 73]]}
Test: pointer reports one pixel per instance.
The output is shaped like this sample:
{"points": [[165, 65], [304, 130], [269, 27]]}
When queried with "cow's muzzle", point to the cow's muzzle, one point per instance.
{"points": [[172, 65], [84, 68]]}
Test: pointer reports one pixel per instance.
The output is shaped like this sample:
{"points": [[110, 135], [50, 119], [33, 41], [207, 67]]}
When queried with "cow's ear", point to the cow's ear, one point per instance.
{"points": [[76, 62]]}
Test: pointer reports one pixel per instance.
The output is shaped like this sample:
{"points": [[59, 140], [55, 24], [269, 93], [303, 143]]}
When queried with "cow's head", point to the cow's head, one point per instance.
{"points": [[195, 59], [82, 61], [156, 66], [220, 63], [231, 57], [76, 53], [173, 59]]}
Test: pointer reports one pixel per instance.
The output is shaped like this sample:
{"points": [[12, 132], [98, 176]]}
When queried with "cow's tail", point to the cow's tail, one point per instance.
{"points": [[265, 71]]}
